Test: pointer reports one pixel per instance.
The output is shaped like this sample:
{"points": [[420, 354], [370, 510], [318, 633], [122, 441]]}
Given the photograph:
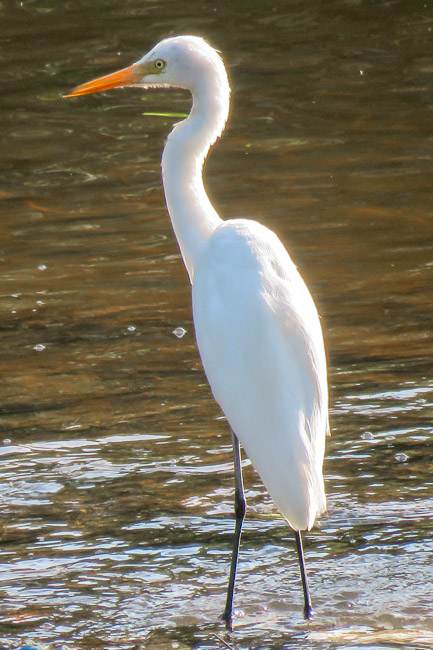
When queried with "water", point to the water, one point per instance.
{"points": [[116, 498]]}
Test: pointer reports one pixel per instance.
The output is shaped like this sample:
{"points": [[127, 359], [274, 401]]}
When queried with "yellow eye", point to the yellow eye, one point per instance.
{"points": [[159, 65]]}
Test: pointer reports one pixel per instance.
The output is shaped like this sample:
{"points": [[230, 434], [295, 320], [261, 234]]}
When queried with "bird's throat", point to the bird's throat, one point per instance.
{"points": [[192, 214]]}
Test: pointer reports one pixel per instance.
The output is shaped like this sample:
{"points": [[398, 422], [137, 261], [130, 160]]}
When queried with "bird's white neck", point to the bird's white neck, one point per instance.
{"points": [[192, 214]]}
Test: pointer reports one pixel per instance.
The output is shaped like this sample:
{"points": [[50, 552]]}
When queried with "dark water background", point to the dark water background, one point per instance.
{"points": [[116, 490]]}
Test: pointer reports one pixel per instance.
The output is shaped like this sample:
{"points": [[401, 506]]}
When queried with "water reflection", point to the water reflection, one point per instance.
{"points": [[117, 483]]}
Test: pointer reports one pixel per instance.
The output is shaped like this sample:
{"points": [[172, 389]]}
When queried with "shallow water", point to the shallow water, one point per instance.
{"points": [[116, 498]]}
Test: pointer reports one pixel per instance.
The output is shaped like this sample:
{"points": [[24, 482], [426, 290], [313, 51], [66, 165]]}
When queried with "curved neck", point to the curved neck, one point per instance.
{"points": [[192, 214]]}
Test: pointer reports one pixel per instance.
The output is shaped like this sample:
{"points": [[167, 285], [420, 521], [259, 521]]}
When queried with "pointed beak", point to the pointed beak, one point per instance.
{"points": [[124, 77]]}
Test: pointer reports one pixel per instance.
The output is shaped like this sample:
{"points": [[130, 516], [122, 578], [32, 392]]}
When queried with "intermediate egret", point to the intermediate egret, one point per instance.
{"points": [[257, 328]]}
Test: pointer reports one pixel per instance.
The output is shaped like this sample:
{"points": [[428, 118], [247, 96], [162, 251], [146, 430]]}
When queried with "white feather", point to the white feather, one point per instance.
{"points": [[257, 328], [261, 345]]}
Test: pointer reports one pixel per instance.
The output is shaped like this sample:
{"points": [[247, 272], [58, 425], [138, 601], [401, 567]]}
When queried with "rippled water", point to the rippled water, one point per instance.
{"points": [[116, 493]]}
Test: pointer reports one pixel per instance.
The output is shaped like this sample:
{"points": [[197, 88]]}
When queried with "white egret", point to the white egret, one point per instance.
{"points": [[257, 328]]}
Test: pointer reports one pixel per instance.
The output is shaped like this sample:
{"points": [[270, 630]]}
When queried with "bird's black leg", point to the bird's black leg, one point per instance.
{"points": [[240, 508], [308, 609]]}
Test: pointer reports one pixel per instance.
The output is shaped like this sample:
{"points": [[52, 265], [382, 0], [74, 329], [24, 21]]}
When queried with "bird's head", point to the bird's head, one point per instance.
{"points": [[182, 61]]}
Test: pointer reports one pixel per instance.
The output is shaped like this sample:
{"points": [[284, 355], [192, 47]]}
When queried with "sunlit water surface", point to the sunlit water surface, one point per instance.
{"points": [[116, 493]]}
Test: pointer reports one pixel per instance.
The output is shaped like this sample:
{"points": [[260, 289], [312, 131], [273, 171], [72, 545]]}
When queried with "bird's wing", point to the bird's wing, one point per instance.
{"points": [[261, 344]]}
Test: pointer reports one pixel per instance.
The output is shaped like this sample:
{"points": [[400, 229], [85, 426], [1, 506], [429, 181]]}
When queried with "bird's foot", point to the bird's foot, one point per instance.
{"points": [[308, 612], [227, 617]]}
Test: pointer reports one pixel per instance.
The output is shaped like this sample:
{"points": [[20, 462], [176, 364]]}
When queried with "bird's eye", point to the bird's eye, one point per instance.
{"points": [[159, 64]]}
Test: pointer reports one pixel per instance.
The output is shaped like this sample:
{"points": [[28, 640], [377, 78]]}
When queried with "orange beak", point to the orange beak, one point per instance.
{"points": [[124, 77]]}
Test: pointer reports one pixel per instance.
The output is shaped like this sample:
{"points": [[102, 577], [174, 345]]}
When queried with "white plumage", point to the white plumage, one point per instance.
{"points": [[260, 341], [258, 331]]}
